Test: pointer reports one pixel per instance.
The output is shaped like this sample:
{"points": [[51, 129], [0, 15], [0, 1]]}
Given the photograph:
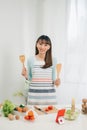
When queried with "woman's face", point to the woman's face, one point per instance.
{"points": [[42, 46]]}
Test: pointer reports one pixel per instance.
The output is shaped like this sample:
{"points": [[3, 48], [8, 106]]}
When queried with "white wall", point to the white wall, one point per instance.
{"points": [[18, 32], [21, 22]]}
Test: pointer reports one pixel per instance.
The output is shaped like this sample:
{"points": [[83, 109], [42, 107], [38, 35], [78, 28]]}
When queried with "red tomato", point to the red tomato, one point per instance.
{"points": [[26, 117], [46, 109], [50, 107]]}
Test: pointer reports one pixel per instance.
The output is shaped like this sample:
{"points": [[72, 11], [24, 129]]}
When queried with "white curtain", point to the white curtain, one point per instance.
{"points": [[77, 41], [75, 69]]}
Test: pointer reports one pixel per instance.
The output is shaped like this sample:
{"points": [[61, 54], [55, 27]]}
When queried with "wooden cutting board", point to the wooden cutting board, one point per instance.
{"points": [[54, 110]]}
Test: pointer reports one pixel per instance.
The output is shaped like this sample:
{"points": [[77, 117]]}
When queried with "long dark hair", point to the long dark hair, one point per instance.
{"points": [[48, 56]]}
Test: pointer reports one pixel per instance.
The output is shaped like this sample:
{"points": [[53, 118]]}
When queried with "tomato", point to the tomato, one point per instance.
{"points": [[50, 107], [32, 118], [26, 117], [46, 109]]}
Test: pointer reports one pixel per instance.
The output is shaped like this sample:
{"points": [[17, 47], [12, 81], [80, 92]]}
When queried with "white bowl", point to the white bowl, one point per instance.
{"points": [[69, 115]]}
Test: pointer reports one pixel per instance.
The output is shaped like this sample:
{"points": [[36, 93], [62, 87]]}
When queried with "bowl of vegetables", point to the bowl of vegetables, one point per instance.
{"points": [[71, 115]]}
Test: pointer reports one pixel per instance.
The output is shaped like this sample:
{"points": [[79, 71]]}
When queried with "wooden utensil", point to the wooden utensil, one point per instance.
{"points": [[58, 68], [22, 59], [73, 105]]}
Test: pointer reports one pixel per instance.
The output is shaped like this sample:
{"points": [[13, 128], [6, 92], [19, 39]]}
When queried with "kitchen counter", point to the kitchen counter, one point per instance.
{"points": [[46, 122]]}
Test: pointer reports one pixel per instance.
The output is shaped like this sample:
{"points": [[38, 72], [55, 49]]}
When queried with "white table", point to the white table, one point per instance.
{"points": [[46, 122]]}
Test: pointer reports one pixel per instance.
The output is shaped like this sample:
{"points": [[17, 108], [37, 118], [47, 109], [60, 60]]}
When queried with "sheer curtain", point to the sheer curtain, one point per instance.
{"points": [[75, 69], [77, 41]]}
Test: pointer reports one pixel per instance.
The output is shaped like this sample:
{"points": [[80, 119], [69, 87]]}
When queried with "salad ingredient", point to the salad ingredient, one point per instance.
{"points": [[69, 115], [48, 108], [11, 117], [29, 116], [84, 105], [17, 117], [8, 107], [21, 108]]}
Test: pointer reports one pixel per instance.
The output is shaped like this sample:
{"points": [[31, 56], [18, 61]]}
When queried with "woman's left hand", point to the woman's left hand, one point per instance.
{"points": [[57, 82]]}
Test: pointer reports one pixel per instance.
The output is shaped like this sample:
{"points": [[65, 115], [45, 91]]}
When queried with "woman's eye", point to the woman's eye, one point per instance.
{"points": [[40, 43], [45, 44]]}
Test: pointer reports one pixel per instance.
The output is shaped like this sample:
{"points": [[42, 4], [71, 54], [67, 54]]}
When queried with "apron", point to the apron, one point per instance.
{"points": [[41, 89]]}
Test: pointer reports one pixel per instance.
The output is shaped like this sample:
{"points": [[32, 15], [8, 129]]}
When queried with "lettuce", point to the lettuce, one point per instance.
{"points": [[8, 107]]}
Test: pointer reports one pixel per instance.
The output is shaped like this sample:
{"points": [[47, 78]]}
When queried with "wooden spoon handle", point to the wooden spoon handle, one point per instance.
{"points": [[58, 68]]}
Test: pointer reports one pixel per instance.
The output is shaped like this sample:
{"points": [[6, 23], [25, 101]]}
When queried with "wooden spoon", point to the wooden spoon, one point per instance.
{"points": [[22, 59], [58, 68]]}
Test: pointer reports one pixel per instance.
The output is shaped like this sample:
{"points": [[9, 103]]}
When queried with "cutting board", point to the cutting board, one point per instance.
{"points": [[54, 110]]}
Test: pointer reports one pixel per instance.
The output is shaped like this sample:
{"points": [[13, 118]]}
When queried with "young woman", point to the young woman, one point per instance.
{"points": [[41, 74]]}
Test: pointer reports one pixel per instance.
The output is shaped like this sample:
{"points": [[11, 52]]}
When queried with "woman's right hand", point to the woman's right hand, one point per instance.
{"points": [[24, 72]]}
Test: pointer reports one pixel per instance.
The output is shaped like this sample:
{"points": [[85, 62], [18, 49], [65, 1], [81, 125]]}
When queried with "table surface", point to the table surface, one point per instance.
{"points": [[46, 121]]}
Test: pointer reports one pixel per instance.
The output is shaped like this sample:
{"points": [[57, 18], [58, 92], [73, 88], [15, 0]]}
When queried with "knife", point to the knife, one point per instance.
{"points": [[39, 109]]}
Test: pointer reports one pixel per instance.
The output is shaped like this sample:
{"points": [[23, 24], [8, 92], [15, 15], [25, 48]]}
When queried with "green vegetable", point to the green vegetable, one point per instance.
{"points": [[68, 112], [71, 115], [7, 108], [22, 105]]}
